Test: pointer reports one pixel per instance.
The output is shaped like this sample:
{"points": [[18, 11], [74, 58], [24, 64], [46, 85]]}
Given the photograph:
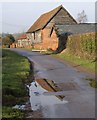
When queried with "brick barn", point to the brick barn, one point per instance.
{"points": [[43, 33]]}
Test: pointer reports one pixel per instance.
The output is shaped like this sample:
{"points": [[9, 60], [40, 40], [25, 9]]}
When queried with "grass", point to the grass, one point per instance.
{"points": [[28, 49], [10, 113], [77, 61], [93, 82], [14, 72]]}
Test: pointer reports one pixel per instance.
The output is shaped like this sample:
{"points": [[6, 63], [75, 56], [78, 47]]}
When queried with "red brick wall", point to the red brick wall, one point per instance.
{"points": [[14, 45], [47, 41]]}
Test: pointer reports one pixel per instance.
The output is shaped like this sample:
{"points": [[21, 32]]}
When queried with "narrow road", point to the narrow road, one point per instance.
{"points": [[78, 93]]}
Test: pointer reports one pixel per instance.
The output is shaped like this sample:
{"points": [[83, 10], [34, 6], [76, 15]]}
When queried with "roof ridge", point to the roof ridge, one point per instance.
{"points": [[45, 18], [55, 11], [51, 13], [60, 6]]}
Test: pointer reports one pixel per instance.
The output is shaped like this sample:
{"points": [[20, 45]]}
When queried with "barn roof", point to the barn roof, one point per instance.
{"points": [[45, 18]]}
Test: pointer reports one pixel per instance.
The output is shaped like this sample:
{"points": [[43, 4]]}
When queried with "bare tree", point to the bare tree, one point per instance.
{"points": [[82, 17]]}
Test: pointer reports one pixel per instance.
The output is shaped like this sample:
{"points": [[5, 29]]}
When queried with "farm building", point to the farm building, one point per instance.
{"points": [[51, 30], [41, 32], [24, 42]]}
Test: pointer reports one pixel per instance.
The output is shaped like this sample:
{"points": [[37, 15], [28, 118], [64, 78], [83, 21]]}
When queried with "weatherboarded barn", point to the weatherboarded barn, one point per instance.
{"points": [[42, 33]]}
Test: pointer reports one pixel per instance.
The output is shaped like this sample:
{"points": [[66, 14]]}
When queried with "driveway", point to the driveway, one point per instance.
{"points": [[79, 96]]}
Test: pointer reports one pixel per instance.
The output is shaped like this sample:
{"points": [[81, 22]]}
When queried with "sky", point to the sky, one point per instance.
{"points": [[19, 16]]}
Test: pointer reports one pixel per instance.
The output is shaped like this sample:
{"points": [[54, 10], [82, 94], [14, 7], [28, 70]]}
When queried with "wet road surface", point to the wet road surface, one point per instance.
{"points": [[79, 96]]}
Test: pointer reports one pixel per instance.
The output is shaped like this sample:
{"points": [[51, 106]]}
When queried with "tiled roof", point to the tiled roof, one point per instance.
{"points": [[42, 21], [22, 37]]}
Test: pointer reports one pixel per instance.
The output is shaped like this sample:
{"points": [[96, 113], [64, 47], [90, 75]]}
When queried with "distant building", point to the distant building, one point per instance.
{"points": [[23, 42]]}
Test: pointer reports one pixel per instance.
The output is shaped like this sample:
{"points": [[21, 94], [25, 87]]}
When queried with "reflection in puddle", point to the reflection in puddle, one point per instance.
{"points": [[39, 100], [50, 86]]}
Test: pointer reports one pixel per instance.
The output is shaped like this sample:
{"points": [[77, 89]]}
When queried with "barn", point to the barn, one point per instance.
{"points": [[42, 32]]}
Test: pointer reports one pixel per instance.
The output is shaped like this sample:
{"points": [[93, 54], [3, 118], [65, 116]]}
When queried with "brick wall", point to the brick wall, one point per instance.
{"points": [[13, 45], [47, 41]]}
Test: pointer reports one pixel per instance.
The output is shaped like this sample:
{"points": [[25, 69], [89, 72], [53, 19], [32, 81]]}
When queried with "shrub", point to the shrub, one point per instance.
{"points": [[82, 45]]}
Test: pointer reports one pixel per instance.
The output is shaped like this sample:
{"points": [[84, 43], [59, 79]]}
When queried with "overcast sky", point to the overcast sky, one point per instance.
{"points": [[19, 16]]}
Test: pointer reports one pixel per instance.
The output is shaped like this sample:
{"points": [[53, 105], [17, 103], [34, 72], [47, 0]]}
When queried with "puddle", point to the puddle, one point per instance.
{"points": [[70, 85], [48, 85], [39, 100]]}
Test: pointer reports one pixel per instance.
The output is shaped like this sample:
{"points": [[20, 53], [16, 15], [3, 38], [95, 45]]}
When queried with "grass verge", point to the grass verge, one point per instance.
{"points": [[92, 82], [14, 72], [10, 113], [77, 61], [28, 49]]}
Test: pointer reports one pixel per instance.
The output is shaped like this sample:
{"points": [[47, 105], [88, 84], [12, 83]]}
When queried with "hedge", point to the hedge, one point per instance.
{"points": [[82, 45]]}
